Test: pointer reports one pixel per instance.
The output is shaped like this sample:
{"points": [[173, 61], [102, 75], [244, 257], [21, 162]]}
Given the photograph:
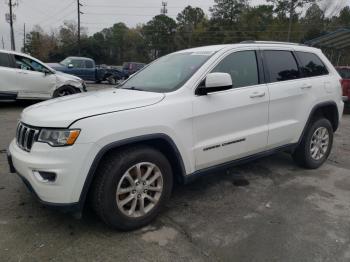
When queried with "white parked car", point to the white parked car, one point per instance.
{"points": [[24, 77], [187, 114]]}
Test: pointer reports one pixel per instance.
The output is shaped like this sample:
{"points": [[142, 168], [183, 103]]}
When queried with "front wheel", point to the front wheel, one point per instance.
{"points": [[131, 187], [64, 91], [112, 80], [316, 145]]}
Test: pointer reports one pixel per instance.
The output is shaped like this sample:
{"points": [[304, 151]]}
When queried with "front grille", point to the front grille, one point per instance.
{"points": [[25, 136]]}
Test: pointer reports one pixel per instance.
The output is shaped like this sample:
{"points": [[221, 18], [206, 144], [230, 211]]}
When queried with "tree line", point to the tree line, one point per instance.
{"points": [[230, 21]]}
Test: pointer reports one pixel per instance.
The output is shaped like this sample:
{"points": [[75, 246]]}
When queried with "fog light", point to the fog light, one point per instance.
{"points": [[45, 177]]}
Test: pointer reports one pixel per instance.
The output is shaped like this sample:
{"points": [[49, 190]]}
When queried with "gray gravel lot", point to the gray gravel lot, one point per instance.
{"points": [[267, 210]]}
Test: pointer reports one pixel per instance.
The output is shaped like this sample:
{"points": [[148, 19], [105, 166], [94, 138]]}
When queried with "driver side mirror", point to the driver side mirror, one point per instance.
{"points": [[46, 71], [70, 66], [215, 82]]}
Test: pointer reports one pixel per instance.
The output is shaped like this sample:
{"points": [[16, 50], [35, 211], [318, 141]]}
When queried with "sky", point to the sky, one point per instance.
{"points": [[98, 14]]}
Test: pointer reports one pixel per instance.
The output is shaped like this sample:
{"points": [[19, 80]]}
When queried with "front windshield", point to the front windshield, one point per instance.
{"points": [[66, 62], [168, 73]]}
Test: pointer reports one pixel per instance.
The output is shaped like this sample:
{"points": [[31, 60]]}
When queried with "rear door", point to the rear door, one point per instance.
{"points": [[290, 97], [90, 70], [8, 87]]}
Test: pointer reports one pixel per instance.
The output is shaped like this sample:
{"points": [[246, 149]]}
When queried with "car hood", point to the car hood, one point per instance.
{"points": [[62, 112], [65, 76]]}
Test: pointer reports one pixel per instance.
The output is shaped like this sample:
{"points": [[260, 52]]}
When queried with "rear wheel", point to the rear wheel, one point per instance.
{"points": [[64, 91], [112, 80], [131, 187], [316, 145]]}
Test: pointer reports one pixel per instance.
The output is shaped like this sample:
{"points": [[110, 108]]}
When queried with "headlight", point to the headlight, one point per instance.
{"points": [[59, 137]]}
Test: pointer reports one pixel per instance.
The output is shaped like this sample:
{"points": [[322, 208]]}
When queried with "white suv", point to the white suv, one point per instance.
{"points": [[24, 77], [186, 114]]}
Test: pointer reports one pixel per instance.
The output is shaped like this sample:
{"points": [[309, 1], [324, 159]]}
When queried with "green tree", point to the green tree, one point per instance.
{"points": [[284, 7], [188, 22], [39, 44], [313, 21], [159, 34], [228, 12]]}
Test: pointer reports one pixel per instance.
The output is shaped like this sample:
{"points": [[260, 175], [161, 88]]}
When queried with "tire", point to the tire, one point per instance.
{"points": [[64, 91], [111, 178], [112, 80], [308, 153]]}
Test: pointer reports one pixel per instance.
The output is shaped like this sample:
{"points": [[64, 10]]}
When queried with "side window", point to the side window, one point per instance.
{"points": [[242, 66], [5, 60], [344, 73], [25, 63], [22, 63], [311, 65], [89, 64], [78, 63], [281, 65]]}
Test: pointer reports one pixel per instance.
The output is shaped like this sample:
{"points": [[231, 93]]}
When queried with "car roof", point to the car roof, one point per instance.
{"points": [[13, 52], [257, 44], [80, 57]]}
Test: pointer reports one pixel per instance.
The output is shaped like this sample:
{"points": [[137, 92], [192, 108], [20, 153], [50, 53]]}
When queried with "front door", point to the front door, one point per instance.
{"points": [[8, 76], [32, 80], [232, 124]]}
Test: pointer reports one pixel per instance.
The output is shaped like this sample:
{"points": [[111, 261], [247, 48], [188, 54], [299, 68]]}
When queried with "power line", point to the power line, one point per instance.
{"points": [[137, 7], [123, 14], [63, 17], [52, 16]]}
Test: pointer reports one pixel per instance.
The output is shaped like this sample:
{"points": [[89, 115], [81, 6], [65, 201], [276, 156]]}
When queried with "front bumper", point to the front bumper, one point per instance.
{"points": [[66, 162], [66, 208]]}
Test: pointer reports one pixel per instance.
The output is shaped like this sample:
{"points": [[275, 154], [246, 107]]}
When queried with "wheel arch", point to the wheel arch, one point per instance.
{"points": [[77, 89], [161, 142], [329, 110]]}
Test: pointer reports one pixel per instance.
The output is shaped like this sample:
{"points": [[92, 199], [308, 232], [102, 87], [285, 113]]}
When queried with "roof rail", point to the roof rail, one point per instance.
{"points": [[268, 42]]}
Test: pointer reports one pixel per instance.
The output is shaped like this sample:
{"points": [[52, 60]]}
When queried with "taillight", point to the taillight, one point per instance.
{"points": [[345, 84]]}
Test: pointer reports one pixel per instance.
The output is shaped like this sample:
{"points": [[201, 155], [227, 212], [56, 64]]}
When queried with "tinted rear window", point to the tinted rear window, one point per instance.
{"points": [[281, 65], [5, 60], [311, 65], [344, 72]]}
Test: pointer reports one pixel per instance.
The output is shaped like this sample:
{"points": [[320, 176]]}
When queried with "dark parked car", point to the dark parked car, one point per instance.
{"points": [[344, 72], [87, 69], [130, 68]]}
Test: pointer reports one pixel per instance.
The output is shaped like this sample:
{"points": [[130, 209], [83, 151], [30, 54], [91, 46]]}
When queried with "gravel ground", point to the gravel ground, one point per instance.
{"points": [[268, 210]]}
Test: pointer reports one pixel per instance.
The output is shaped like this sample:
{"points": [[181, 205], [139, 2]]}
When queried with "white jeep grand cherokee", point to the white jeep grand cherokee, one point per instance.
{"points": [[24, 77], [186, 114]]}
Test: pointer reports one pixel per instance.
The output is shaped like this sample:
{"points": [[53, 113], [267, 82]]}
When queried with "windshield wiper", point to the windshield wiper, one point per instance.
{"points": [[132, 88]]}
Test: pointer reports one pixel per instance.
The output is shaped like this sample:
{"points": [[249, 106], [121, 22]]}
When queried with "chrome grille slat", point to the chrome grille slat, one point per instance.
{"points": [[26, 136]]}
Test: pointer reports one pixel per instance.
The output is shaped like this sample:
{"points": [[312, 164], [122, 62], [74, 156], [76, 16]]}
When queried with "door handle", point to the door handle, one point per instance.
{"points": [[306, 86], [257, 94], [23, 73]]}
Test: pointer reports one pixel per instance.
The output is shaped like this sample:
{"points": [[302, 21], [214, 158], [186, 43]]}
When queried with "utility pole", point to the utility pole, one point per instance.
{"points": [[10, 17], [24, 38], [3, 43], [79, 13], [164, 9], [291, 14]]}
